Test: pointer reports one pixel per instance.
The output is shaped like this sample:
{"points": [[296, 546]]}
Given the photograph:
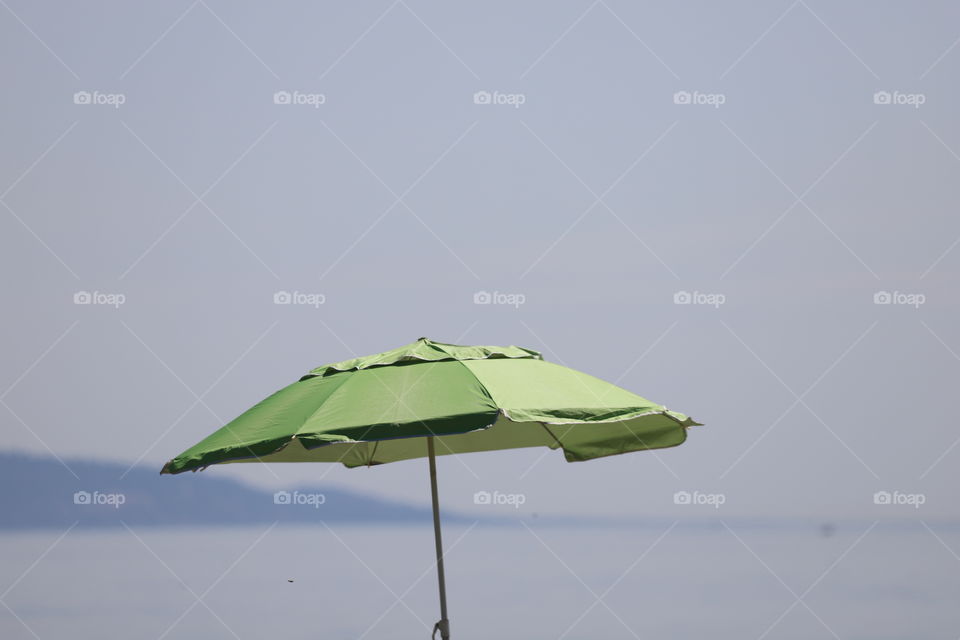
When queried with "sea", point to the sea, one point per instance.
{"points": [[721, 580]]}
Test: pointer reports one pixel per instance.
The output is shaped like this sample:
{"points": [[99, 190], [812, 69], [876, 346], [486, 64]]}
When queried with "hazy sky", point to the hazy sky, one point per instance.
{"points": [[197, 158]]}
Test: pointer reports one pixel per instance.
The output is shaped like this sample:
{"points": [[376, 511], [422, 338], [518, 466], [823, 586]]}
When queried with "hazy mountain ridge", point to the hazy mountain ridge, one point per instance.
{"points": [[41, 492]]}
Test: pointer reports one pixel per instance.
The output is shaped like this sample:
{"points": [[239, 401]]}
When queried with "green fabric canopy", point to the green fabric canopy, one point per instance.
{"points": [[429, 398], [381, 408]]}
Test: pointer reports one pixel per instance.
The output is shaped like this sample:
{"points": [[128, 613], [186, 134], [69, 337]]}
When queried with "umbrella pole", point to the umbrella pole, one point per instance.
{"points": [[444, 625]]}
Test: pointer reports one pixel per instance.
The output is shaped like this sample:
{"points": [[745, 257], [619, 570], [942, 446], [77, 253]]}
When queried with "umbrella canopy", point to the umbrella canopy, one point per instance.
{"points": [[429, 398], [381, 408]]}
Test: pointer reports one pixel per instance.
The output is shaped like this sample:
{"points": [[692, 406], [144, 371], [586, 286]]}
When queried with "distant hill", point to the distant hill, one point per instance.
{"points": [[39, 492]]}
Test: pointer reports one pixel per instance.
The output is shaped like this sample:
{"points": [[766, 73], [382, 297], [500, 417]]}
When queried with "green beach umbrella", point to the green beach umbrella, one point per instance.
{"points": [[429, 398]]}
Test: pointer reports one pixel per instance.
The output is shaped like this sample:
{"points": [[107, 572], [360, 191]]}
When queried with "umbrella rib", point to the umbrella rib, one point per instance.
{"points": [[555, 438], [317, 410]]}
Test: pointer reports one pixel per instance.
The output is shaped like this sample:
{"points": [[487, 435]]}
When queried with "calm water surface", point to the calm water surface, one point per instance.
{"points": [[503, 582]]}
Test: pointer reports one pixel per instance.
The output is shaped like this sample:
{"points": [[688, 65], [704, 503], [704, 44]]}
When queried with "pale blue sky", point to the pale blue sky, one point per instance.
{"points": [[798, 199]]}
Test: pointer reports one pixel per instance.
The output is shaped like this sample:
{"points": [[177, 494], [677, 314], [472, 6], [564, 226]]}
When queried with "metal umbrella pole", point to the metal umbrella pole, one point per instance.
{"points": [[443, 626]]}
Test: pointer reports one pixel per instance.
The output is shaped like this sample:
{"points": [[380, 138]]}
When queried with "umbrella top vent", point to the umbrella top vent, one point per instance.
{"points": [[424, 350]]}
